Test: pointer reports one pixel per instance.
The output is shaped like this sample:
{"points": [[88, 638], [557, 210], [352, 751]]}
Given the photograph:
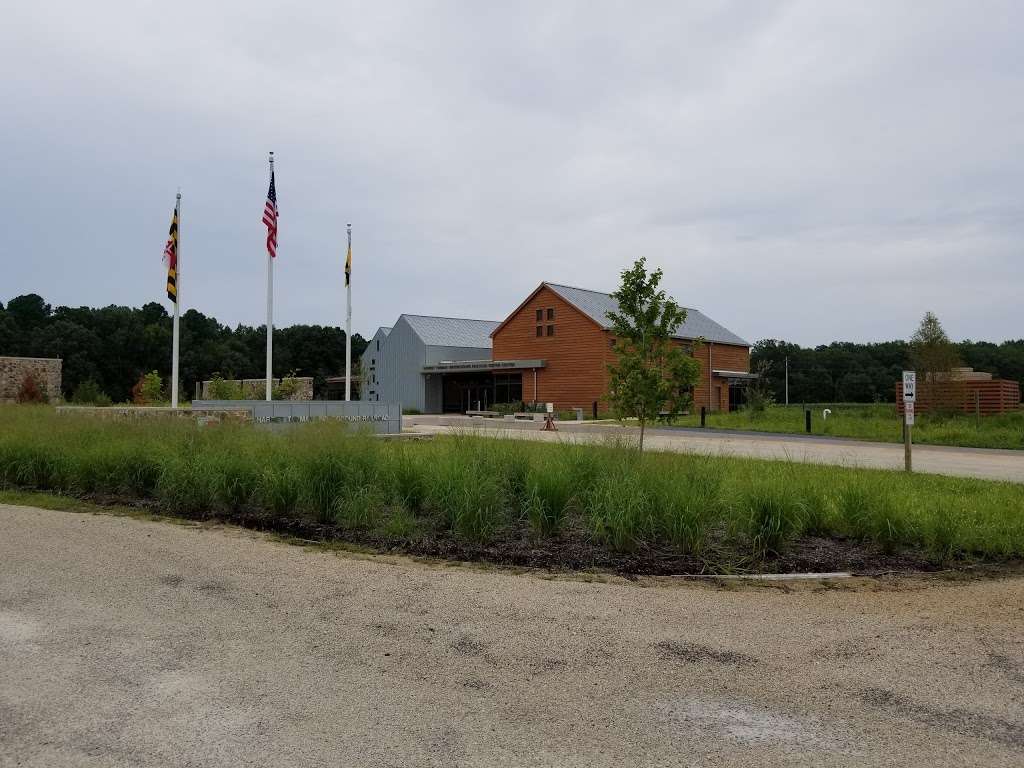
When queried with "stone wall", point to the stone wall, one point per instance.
{"points": [[45, 370]]}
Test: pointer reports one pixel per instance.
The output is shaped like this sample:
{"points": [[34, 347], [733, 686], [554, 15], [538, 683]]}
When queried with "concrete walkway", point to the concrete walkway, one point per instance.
{"points": [[148, 644], [985, 463]]}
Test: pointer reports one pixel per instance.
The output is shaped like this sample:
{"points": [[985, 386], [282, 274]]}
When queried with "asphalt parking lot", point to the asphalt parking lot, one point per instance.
{"points": [[130, 642]]}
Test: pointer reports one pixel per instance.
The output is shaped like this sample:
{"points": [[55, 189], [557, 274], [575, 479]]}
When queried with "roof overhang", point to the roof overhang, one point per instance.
{"points": [[738, 375], [477, 366]]}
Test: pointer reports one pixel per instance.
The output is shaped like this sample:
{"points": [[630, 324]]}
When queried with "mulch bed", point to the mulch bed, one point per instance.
{"points": [[574, 551]]}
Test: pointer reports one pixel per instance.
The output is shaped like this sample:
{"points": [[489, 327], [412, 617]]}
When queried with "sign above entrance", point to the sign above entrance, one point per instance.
{"points": [[469, 366]]}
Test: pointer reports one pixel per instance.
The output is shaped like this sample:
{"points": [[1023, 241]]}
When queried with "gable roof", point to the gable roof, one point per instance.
{"points": [[451, 331], [595, 305]]}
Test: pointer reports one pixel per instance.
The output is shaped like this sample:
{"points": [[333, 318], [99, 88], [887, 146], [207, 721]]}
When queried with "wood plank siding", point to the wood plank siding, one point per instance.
{"points": [[991, 396], [577, 351]]}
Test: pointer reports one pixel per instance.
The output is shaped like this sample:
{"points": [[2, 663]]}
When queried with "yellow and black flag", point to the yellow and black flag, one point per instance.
{"points": [[348, 262], [171, 258]]}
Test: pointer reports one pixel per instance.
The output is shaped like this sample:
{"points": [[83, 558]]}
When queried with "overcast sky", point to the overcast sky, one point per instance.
{"points": [[807, 170]]}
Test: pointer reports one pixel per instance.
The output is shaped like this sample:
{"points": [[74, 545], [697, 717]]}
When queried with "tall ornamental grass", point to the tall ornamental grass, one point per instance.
{"points": [[486, 490]]}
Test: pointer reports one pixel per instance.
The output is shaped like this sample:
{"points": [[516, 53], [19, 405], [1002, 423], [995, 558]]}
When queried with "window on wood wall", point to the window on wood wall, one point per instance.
{"points": [[540, 315]]}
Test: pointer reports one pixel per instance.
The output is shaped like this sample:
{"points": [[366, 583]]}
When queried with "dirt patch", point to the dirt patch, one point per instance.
{"points": [[695, 653], [467, 646], [963, 721]]}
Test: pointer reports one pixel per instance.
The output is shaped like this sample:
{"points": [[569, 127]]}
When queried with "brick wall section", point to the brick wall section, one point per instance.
{"points": [[577, 356], [723, 357], [47, 373], [574, 375]]}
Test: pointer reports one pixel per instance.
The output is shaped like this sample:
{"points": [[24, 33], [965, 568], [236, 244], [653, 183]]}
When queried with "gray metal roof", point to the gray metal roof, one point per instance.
{"points": [[597, 305], [452, 331]]}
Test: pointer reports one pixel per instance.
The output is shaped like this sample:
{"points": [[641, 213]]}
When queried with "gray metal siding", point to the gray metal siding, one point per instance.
{"points": [[377, 368], [405, 355]]}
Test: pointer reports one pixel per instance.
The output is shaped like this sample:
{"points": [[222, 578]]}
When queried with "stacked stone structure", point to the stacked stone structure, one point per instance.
{"points": [[14, 370]]}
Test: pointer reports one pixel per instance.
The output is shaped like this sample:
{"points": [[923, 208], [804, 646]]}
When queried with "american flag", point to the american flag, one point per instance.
{"points": [[270, 218]]}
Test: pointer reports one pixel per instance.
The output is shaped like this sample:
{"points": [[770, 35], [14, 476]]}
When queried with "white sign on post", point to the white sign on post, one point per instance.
{"points": [[908, 409], [909, 386]]}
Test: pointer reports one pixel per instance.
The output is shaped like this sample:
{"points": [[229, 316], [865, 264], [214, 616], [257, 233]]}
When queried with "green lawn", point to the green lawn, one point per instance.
{"points": [[874, 422], [732, 511]]}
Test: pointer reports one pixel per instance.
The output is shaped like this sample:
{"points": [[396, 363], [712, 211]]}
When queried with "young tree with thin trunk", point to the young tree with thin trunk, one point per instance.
{"points": [[652, 375], [934, 357]]}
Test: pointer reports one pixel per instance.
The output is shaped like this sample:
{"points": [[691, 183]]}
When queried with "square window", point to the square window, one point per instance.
{"points": [[551, 330], [540, 330], [551, 313], [540, 315]]}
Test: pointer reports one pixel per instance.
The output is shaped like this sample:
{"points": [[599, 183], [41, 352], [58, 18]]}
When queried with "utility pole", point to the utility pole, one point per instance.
{"points": [[787, 379]]}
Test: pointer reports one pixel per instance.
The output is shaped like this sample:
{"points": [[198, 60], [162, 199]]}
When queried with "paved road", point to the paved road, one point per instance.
{"points": [[989, 464], [124, 642]]}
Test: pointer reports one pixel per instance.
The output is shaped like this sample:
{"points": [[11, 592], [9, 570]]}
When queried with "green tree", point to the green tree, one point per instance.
{"points": [[652, 374], [149, 390], [934, 357]]}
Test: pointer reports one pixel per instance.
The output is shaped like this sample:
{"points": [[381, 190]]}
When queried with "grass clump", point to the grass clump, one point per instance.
{"points": [[485, 490]]}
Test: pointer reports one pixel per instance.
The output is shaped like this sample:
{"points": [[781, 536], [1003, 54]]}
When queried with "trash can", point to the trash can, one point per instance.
{"points": [[579, 413]]}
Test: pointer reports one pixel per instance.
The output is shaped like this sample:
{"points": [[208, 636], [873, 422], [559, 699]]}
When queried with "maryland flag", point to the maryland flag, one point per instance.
{"points": [[171, 258], [348, 265]]}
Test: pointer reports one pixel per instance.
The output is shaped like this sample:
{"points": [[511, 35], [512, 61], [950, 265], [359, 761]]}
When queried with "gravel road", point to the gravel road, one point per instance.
{"points": [[129, 642]]}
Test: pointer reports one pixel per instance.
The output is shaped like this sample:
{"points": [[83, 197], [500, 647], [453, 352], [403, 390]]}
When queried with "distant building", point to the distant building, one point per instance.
{"points": [[963, 389], [554, 347], [568, 329]]}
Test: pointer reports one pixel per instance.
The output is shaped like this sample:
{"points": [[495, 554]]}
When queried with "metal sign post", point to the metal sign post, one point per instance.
{"points": [[909, 397]]}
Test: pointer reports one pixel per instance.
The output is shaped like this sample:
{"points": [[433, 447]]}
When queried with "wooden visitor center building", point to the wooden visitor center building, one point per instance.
{"points": [[555, 347]]}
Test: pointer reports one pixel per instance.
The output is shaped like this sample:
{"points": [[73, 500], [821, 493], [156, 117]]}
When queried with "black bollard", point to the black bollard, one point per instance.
{"points": [[595, 409], [807, 420], [703, 415]]}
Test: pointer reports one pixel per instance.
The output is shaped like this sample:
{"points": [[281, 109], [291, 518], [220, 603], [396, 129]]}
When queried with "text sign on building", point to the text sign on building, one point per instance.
{"points": [[908, 410], [909, 386]]}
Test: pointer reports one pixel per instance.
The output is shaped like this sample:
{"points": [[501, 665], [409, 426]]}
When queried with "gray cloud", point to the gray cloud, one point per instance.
{"points": [[802, 170]]}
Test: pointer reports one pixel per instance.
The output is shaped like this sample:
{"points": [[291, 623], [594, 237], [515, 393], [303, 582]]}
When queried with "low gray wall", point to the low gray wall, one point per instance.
{"points": [[383, 418]]}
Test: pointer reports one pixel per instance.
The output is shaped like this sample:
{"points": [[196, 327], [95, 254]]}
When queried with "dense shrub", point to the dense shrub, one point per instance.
{"points": [[89, 393], [30, 392], [149, 390]]}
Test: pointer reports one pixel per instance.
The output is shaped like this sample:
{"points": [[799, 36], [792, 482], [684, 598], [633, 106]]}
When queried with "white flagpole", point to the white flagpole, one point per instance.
{"points": [[177, 301], [270, 309], [348, 323]]}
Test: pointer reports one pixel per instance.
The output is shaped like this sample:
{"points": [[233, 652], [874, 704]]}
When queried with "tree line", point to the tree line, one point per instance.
{"points": [[114, 346], [865, 373]]}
